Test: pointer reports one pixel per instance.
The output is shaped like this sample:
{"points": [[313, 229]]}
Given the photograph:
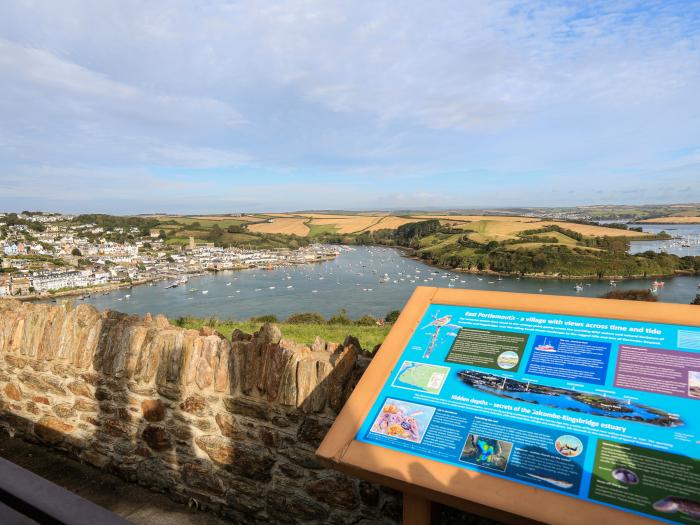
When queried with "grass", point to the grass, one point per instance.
{"points": [[320, 229], [369, 336]]}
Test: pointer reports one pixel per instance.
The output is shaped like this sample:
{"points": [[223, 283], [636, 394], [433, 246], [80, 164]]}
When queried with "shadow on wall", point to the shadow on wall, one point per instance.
{"points": [[226, 426]]}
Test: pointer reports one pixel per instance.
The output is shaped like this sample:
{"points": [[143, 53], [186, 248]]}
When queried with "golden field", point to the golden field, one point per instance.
{"points": [[674, 220], [284, 225]]}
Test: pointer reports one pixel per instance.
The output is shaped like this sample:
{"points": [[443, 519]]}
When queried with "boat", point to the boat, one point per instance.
{"points": [[613, 283], [546, 346], [228, 284], [204, 292], [171, 285], [578, 287], [658, 283]]}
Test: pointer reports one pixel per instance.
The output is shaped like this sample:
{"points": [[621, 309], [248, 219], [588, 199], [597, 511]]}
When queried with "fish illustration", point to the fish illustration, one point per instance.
{"points": [[556, 482], [672, 504]]}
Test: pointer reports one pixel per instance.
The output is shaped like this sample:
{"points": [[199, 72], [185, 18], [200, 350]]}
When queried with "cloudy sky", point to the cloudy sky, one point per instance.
{"points": [[225, 106]]}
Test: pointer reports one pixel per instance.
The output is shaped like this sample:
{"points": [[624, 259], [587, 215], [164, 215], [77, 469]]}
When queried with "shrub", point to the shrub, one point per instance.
{"points": [[366, 320], [306, 318], [269, 318], [212, 321], [392, 316], [341, 317], [631, 295], [184, 320]]}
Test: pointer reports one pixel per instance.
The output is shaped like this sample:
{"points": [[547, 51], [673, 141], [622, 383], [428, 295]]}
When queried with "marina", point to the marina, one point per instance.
{"points": [[361, 280], [685, 241]]}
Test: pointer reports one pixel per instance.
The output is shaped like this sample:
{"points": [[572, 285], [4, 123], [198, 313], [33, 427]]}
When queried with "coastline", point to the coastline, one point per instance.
{"points": [[111, 287], [409, 253]]}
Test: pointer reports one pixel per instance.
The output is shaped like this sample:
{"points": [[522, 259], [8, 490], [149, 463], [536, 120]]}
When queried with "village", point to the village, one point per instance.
{"points": [[47, 254]]}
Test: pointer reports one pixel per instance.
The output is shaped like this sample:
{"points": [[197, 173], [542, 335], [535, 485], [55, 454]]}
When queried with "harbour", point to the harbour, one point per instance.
{"points": [[361, 280]]}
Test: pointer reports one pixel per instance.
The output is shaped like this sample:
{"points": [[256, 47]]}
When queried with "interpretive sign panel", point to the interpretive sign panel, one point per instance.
{"points": [[595, 407]]}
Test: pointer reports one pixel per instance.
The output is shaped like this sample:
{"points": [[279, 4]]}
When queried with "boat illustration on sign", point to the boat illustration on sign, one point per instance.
{"points": [[546, 346]]}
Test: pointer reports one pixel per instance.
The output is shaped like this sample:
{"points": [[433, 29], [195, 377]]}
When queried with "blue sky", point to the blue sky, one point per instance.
{"points": [[227, 106]]}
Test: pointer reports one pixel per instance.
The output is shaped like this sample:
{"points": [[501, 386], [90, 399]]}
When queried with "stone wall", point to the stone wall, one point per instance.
{"points": [[227, 425]]}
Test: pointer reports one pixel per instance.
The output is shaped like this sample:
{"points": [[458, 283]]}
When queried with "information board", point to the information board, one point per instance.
{"points": [[600, 409]]}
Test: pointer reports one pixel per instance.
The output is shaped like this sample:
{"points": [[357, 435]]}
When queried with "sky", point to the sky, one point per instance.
{"points": [[242, 106]]}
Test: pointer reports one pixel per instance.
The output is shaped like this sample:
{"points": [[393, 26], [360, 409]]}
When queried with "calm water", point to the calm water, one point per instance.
{"points": [[688, 233], [351, 281]]}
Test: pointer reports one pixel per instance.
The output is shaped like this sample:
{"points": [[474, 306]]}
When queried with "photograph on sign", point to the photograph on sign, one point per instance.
{"points": [[604, 410]]}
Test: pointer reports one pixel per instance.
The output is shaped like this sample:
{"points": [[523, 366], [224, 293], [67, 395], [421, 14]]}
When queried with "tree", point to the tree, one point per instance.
{"points": [[632, 295], [366, 320], [392, 316], [161, 235], [341, 317], [696, 300], [215, 234], [306, 318], [76, 252]]}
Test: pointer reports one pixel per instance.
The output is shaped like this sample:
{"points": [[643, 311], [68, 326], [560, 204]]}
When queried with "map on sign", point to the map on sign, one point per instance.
{"points": [[599, 409]]}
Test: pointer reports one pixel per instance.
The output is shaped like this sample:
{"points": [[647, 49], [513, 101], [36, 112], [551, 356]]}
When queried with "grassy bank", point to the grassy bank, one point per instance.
{"points": [[369, 336]]}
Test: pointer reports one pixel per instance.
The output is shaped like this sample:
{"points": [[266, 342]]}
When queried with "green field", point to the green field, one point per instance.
{"points": [[369, 336], [320, 229]]}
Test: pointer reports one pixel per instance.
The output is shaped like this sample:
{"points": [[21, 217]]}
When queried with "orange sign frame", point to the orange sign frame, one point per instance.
{"points": [[423, 480]]}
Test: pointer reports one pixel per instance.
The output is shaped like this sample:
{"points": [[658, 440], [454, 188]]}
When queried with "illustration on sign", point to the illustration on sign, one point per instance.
{"points": [[600, 409]]}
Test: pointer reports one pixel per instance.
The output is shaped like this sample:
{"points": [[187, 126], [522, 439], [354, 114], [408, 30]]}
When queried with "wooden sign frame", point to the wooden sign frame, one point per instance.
{"points": [[423, 480]]}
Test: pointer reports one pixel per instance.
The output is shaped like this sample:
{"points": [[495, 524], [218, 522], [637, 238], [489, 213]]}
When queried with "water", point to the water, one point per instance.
{"points": [[351, 281], [688, 233]]}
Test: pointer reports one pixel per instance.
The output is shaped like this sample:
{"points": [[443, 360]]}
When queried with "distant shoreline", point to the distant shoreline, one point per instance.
{"points": [[111, 287]]}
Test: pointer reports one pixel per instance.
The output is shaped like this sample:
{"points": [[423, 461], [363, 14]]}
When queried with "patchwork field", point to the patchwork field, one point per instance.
{"points": [[488, 228], [474, 218], [484, 228]]}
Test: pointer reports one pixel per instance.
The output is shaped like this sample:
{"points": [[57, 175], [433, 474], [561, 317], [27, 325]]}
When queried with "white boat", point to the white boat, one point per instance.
{"points": [[204, 292], [228, 284], [579, 287]]}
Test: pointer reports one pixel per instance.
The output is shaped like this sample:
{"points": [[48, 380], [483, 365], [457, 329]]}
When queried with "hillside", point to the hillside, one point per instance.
{"points": [[513, 244]]}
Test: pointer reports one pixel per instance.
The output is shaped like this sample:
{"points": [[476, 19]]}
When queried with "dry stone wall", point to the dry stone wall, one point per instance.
{"points": [[227, 425]]}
